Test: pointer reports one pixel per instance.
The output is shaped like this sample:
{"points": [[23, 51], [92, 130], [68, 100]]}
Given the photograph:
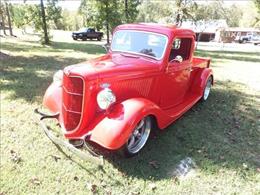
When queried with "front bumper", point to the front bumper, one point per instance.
{"points": [[89, 155]]}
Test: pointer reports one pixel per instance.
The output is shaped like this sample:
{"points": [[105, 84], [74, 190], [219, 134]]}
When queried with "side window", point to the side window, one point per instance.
{"points": [[181, 47]]}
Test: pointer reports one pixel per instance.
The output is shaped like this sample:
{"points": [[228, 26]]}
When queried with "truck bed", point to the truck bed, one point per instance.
{"points": [[199, 62]]}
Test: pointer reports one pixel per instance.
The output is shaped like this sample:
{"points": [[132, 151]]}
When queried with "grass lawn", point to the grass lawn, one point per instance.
{"points": [[222, 136]]}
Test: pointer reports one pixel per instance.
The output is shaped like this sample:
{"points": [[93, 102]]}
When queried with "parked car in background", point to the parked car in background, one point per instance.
{"points": [[148, 79], [246, 38], [87, 33], [256, 40]]}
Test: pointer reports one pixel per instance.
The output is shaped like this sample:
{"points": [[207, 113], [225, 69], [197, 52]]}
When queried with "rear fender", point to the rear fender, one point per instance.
{"points": [[201, 79], [113, 131]]}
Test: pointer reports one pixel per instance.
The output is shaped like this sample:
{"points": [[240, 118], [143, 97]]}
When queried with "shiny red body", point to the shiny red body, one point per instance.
{"points": [[143, 86]]}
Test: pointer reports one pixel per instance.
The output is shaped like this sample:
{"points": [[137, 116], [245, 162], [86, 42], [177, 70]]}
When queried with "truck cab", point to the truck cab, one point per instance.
{"points": [[149, 76]]}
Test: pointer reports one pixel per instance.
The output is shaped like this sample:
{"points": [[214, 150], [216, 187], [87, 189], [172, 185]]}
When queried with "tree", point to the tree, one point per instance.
{"points": [[44, 24], [130, 9], [147, 9], [257, 18], [183, 12], [54, 14], [2, 19], [8, 18]]}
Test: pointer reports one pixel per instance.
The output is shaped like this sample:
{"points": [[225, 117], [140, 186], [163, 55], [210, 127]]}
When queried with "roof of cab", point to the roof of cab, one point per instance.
{"points": [[167, 29]]}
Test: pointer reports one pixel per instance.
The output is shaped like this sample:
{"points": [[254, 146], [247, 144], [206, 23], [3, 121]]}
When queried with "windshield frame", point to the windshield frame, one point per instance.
{"points": [[142, 54]]}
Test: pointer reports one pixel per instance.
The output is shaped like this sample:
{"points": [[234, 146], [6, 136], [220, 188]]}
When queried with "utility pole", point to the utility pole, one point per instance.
{"points": [[44, 25]]}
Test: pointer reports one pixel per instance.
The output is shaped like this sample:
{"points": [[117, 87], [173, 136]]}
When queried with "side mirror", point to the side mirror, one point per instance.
{"points": [[178, 59], [106, 47]]}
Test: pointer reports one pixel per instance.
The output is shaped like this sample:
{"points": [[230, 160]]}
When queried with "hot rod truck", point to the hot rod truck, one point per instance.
{"points": [[148, 76]]}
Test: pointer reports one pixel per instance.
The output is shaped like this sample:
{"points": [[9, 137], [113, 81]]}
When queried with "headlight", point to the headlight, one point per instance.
{"points": [[57, 77], [105, 98]]}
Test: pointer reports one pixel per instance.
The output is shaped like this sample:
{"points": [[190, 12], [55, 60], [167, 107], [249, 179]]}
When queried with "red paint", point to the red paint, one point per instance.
{"points": [[142, 86]]}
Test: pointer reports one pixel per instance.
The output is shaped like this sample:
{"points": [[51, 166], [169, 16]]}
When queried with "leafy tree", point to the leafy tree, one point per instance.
{"points": [[183, 11], [2, 14], [148, 8], [54, 14], [130, 9], [257, 18], [44, 24], [7, 5]]}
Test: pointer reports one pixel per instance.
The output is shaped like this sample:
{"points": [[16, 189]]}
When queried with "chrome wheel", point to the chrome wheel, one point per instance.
{"points": [[207, 89], [139, 136]]}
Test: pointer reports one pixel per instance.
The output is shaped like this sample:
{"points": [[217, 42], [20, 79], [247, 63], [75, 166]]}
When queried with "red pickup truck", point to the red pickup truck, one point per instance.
{"points": [[148, 78]]}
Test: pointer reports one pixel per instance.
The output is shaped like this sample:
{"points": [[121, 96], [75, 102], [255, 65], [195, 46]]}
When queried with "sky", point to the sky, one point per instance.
{"points": [[74, 4]]}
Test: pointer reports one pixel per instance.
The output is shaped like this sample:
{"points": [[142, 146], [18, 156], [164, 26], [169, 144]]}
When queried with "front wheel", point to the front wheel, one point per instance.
{"points": [[207, 89], [138, 138]]}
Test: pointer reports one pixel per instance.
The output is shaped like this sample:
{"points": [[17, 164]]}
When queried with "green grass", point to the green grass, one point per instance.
{"points": [[221, 135]]}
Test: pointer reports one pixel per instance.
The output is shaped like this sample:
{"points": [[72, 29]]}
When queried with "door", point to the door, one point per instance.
{"points": [[92, 33], [177, 74]]}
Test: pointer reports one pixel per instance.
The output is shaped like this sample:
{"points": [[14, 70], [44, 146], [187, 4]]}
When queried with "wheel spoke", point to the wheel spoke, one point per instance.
{"points": [[131, 141], [139, 136], [140, 124]]}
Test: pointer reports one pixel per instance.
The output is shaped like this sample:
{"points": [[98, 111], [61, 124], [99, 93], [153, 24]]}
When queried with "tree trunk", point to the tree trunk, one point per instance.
{"points": [[9, 19], [3, 21], [126, 10], [198, 40], [178, 18], [44, 25], [107, 24]]}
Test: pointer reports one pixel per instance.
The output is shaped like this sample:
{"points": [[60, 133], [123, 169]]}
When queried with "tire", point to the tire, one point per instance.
{"points": [[207, 89], [138, 138], [75, 39], [99, 38]]}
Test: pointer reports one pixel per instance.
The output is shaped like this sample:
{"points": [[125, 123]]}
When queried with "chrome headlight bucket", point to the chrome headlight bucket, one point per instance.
{"points": [[105, 98], [57, 77]]}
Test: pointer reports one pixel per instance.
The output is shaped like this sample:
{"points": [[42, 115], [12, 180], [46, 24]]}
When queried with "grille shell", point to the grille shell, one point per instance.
{"points": [[72, 101]]}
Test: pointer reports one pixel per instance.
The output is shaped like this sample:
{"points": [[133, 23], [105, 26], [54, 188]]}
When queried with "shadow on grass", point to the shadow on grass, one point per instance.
{"points": [[28, 77], [229, 55], [219, 134], [89, 48]]}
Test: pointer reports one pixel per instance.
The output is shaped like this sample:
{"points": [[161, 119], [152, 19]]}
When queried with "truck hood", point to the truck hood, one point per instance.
{"points": [[114, 65]]}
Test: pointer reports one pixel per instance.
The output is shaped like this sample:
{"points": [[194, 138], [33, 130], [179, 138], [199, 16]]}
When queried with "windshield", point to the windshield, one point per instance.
{"points": [[83, 30], [139, 42]]}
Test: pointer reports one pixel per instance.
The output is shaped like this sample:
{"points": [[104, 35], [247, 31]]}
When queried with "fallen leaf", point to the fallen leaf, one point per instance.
{"points": [[56, 158], [154, 164], [76, 178], [92, 187], [35, 181], [152, 186], [245, 166], [15, 157]]}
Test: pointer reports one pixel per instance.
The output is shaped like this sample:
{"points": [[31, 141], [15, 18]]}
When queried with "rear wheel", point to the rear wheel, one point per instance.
{"points": [[138, 138], [99, 38], [207, 89]]}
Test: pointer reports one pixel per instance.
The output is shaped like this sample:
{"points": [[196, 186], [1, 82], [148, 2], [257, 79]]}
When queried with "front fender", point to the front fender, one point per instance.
{"points": [[52, 98], [113, 131]]}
